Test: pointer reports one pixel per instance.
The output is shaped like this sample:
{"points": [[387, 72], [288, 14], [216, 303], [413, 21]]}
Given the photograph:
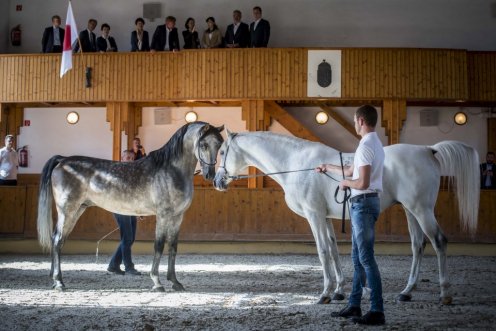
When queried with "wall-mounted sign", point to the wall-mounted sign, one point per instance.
{"points": [[324, 74]]}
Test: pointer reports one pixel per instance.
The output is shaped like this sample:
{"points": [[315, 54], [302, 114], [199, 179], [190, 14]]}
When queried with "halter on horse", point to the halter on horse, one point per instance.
{"points": [[160, 184], [411, 177]]}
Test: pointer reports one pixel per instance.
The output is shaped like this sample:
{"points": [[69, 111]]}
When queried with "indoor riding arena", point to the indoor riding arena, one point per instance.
{"points": [[175, 165]]}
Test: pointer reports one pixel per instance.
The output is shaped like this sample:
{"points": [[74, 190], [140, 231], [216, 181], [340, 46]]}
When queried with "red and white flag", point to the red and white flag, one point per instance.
{"points": [[70, 37]]}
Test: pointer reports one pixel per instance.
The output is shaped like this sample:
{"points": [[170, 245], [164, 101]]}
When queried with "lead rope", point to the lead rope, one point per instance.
{"points": [[346, 197]]}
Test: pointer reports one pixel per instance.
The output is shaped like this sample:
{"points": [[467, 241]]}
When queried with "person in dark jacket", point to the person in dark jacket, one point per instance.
{"points": [[488, 181], [139, 37], [165, 37], [53, 37], [190, 35], [238, 33], [87, 38], [106, 43], [259, 29]]}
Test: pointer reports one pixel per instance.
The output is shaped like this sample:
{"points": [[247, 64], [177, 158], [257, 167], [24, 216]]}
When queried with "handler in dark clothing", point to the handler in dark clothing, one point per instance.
{"points": [[127, 227], [165, 37]]}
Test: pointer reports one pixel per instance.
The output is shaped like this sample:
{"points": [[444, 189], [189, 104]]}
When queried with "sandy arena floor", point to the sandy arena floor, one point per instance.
{"points": [[234, 292]]}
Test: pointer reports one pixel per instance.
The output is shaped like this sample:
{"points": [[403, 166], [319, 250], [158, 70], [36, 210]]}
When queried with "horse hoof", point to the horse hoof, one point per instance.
{"points": [[158, 289], [404, 298], [178, 287], [338, 297], [446, 300], [324, 301], [59, 288]]}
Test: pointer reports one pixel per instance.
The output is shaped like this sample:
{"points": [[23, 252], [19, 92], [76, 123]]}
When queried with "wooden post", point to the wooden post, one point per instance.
{"points": [[117, 114], [393, 117], [257, 119], [11, 120], [132, 123]]}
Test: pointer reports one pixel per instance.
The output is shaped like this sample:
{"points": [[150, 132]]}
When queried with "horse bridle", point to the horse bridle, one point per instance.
{"points": [[225, 157], [202, 161]]}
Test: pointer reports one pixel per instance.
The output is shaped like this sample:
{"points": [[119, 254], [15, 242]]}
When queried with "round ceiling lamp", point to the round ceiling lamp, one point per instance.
{"points": [[191, 117], [72, 117], [460, 118], [321, 117]]}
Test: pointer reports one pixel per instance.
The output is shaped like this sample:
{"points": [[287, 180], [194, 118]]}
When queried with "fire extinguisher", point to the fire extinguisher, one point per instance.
{"points": [[23, 157], [16, 35]]}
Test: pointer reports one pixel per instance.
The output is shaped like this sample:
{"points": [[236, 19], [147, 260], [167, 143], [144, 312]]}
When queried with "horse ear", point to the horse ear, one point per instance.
{"points": [[205, 128], [220, 128], [229, 132]]}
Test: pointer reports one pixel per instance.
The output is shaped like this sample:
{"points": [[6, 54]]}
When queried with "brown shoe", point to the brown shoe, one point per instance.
{"points": [[348, 312]]}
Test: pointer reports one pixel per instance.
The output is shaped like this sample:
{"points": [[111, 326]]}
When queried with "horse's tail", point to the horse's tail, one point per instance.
{"points": [[461, 161], [45, 198]]}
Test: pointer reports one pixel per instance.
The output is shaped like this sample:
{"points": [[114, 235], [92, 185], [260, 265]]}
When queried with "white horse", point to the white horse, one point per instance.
{"points": [[411, 177]]}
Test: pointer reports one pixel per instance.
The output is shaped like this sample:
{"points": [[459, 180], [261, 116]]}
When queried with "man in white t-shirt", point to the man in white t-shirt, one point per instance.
{"points": [[365, 185], [8, 162]]}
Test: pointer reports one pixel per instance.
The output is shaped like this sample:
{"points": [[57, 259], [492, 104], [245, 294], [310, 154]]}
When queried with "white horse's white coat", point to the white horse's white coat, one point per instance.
{"points": [[411, 177]]}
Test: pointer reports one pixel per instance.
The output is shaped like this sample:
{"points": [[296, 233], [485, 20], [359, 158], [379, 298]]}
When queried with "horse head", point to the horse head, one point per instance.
{"points": [[230, 165], [207, 145]]}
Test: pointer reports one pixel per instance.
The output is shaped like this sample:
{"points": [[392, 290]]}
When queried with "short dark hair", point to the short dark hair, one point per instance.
{"points": [[56, 17], [368, 113], [187, 21], [490, 153], [170, 18], [237, 11], [9, 136], [139, 19], [105, 25], [257, 8], [92, 20]]}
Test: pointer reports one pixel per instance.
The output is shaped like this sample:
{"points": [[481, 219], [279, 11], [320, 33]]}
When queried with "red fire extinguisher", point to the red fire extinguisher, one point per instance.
{"points": [[16, 35], [23, 157]]}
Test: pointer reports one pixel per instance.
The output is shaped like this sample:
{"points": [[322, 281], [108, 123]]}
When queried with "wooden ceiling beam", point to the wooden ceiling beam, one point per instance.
{"points": [[340, 120]]}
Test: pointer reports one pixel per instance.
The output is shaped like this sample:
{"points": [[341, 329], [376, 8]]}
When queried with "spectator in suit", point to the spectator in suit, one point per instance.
{"points": [[87, 38], [212, 37], [165, 37], [53, 37], [106, 43], [139, 37], [190, 35], [488, 181], [238, 33], [259, 29]]}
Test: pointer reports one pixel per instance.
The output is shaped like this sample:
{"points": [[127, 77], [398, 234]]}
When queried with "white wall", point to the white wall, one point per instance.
{"points": [[49, 134], [461, 24]]}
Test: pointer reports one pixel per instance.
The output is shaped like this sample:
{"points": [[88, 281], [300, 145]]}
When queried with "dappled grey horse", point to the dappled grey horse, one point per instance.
{"points": [[411, 178], [160, 184]]}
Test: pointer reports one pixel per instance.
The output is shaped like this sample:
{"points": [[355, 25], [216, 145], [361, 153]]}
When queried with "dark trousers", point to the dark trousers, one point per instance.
{"points": [[8, 182], [127, 227]]}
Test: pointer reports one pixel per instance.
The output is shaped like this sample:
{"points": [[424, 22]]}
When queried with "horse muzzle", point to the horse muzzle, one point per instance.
{"points": [[220, 181], [208, 172]]}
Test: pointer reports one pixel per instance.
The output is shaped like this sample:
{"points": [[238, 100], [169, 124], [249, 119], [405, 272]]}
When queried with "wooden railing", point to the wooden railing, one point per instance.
{"points": [[227, 74], [240, 214]]}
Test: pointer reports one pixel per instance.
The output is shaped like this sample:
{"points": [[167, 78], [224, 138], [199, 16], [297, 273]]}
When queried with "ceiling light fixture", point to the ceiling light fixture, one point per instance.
{"points": [[321, 117], [191, 117], [72, 117], [460, 118]]}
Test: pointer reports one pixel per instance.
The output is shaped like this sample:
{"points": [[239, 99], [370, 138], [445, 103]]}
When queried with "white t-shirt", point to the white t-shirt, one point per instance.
{"points": [[8, 164], [369, 152]]}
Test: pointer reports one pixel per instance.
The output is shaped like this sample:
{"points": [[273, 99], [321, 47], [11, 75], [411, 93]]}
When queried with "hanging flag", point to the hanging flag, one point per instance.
{"points": [[70, 37]]}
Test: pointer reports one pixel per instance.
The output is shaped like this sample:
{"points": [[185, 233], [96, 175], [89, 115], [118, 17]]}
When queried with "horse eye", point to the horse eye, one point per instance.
{"points": [[221, 152], [204, 146]]}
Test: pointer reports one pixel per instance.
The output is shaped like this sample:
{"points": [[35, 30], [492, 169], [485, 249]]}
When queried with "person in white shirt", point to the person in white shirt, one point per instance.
{"points": [[9, 163], [365, 185]]}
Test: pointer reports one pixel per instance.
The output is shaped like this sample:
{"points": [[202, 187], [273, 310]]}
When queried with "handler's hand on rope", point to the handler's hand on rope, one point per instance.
{"points": [[321, 168]]}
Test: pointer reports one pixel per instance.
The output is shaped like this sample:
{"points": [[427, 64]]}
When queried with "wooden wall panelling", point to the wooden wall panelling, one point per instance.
{"points": [[482, 76], [12, 209], [117, 114], [393, 117]]}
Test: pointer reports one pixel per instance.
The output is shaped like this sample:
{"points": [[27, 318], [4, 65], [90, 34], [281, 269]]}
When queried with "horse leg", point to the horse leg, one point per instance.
{"points": [[429, 225], [65, 225], [336, 263], [172, 239], [418, 246], [318, 226], [159, 249]]}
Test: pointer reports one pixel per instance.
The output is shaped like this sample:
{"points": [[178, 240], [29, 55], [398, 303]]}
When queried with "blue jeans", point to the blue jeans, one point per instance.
{"points": [[127, 227], [364, 214]]}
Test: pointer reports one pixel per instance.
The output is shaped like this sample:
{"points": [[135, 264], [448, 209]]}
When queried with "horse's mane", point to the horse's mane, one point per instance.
{"points": [[173, 149]]}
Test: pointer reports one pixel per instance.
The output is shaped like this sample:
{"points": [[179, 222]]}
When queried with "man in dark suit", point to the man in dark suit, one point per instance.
{"points": [[53, 37], [488, 181], [238, 33], [166, 37], [259, 29], [139, 37], [87, 38]]}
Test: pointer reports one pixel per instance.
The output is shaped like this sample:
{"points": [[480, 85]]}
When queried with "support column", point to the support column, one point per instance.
{"points": [[393, 117], [132, 123], [491, 137], [11, 120], [117, 114], [257, 119]]}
